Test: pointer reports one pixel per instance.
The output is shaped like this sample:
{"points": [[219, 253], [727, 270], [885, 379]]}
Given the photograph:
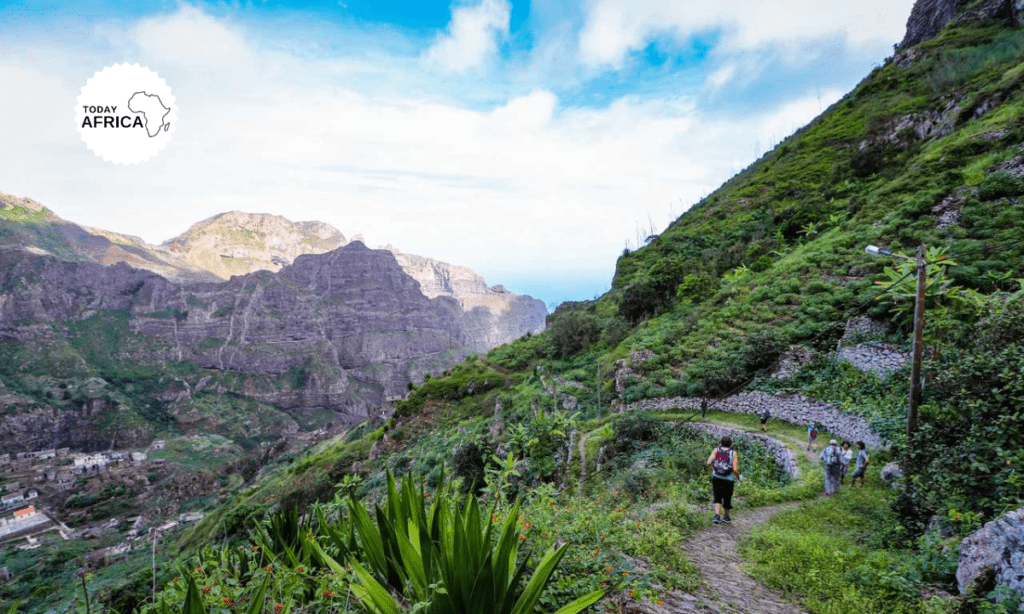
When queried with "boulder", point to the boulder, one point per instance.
{"points": [[998, 547]]}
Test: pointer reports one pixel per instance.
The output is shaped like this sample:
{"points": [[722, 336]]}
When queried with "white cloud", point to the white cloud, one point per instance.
{"points": [[525, 187], [721, 76], [471, 39], [613, 28]]}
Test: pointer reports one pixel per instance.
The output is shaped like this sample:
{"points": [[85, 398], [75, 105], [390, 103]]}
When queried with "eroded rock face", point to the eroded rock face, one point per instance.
{"points": [[998, 546], [490, 315], [344, 331], [929, 16]]}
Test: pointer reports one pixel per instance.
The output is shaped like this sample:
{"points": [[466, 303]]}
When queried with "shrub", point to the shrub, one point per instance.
{"points": [[870, 159], [634, 430], [572, 333], [468, 463], [1000, 184]]}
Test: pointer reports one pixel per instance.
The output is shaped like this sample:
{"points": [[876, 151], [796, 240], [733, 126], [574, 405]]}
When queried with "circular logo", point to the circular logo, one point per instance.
{"points": [[126, 113]]}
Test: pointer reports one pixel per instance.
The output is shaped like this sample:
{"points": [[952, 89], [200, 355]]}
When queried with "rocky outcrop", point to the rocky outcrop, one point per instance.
{"points": [[891, 474], [928, 17], [791, 361], [996, 548]]}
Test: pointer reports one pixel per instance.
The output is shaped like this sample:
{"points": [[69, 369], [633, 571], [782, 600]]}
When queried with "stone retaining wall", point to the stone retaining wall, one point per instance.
{"points": [[784, 457], [794, 408], [882, 359]]}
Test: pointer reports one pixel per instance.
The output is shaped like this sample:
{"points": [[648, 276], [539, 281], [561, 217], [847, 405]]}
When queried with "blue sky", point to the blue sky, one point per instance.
{"points": [[530, 141]]}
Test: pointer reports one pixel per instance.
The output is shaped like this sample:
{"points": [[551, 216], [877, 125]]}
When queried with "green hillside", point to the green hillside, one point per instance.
{"points": [[927, 149]]}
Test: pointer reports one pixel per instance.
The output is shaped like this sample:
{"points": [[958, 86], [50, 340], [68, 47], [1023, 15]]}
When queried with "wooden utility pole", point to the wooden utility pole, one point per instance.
{"points": [[918, 348]]}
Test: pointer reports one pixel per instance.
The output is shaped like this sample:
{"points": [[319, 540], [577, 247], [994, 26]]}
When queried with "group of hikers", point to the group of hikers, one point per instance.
{"points": [[725, 465]]}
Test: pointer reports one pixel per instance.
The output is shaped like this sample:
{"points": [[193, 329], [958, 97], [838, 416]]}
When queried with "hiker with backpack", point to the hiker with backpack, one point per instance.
{"points": [[765, 415], [832, 456], [862, 464], [725, 463], [812, 436]]}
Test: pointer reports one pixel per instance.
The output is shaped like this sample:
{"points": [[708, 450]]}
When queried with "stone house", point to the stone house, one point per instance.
{"points": [[91, 460], [13, 486], [45, 454]]}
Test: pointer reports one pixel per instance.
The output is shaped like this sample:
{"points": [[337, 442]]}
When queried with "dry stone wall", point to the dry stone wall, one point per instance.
{"points": [[794, 408], [882, 359]]}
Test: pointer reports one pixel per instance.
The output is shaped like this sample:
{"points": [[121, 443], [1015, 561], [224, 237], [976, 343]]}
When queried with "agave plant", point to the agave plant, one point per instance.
{"points": [[445, 559]]}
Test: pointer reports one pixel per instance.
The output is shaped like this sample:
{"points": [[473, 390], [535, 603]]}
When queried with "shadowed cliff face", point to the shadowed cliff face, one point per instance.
{"points": [[343, 331]]}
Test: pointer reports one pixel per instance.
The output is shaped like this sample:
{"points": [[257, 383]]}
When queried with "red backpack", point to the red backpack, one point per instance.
{"points": [[722, 463]]}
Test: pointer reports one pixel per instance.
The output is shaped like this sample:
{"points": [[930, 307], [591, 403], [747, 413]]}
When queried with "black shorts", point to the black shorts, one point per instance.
{"points": [[763, 420], [859, 473], [722, 490]]}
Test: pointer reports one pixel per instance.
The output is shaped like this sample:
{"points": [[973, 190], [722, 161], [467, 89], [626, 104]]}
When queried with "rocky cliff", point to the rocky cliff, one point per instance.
{"points": [[490, 315], [238, 243], [929, 16], [343, 331]]}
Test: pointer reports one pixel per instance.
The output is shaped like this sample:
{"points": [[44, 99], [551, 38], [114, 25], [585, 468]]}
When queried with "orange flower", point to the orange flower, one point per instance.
{"points": [[176, 578], [327, 594], [521, 536], [597, 551], [227, 601], [207, 589], [661, 602], [255, 548], [632, 594], [494, 517], [300, 569], [602, 537], [199, 570], [609, 569], [268, 569], [604, 585], [278, 607], [625, 573], [526, 524]]}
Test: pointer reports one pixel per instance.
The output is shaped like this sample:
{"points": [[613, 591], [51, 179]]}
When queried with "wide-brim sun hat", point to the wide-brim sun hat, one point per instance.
{"points": [[832, 442]]}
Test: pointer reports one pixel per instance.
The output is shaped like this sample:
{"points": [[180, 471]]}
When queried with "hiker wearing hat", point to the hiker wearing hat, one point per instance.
{"points": [[832, 456]]}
